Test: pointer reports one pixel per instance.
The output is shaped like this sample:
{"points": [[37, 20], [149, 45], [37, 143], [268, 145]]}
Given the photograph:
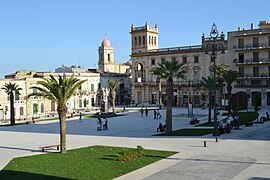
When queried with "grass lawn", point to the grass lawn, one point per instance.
{"points": [[243, 118], [95, 162], [188, 132]]}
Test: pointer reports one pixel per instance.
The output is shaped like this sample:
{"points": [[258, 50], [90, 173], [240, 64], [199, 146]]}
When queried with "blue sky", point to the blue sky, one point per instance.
{"points": [[44, 34]]}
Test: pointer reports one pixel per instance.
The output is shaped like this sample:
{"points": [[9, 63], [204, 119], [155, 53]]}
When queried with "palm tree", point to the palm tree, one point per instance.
{"points": [[59, 90], [113, 84], [207, 83], [10, 88], [229, 77], [169, 70], [220, 70]]}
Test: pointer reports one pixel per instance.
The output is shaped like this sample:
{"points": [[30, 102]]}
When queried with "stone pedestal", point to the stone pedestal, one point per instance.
{"points": [[104, 106]]}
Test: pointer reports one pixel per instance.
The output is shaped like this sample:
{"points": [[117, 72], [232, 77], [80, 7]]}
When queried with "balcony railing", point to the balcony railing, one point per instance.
{"points": [[252, 61], [251, 46], [254, 76], [252, 85]]}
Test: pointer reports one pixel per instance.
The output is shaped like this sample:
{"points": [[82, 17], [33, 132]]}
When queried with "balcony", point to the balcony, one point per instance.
{"points": [[252, 85], [265, 45], [254, 76], [251, 61]]}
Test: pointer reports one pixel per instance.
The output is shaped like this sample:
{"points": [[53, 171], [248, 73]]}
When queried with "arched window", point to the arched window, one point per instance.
{"points": [[35, 108], [155, 41], [21, 111], [140, 40], [109, 57], [152, 40], [143, 39], [135, 41], [139, 73], [149, 40], [42, 108]]}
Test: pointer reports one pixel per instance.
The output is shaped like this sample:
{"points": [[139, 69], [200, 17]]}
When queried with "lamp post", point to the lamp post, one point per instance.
{"points": [[213, 46], [159, 92]]}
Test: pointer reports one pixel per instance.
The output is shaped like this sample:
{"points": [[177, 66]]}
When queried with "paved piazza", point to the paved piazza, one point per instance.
{"points": [[242, 154]]}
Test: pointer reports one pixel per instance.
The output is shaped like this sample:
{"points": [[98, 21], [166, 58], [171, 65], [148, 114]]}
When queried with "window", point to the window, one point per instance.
{"points": [[268, 55], [34, 89], [17, 96], [197, 75], [268, 71], [241, 71], [143, 39], [184, 60], [92, 87], [255, 56], [155, 40], [268, 40], [135, 41], [256, 72], [42, 108], [109, 57], [101, 57], [241, 43], [140, 40], [241, 57], [255, 42], [153, 62], [255, 82], [152, 40], [122, 86], [162, 60], [149, 39], [268, 99], [35, 108], [196, 59]]}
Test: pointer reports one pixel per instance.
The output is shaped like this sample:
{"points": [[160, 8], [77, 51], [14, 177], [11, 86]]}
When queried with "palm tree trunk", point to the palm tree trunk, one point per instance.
{"points": [[113, 100], [169, 91], [62, 112], [12, 115], [159, 94]]}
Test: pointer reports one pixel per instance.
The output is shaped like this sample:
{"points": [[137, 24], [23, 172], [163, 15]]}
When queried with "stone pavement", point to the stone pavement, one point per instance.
{"points": [[242, 154]]}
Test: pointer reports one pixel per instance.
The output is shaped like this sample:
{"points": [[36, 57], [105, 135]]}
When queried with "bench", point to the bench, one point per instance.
{"points": [[194, 122], [248, 124], [51, 146]]}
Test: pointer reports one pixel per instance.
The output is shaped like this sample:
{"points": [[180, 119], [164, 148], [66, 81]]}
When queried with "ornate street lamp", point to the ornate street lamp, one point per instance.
{"points": [[213, 46]]}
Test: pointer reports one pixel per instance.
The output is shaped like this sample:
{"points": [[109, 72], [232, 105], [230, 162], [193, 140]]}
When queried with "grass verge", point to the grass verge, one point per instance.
{"points": [[188, 132], [244, 117], [95, 162]]}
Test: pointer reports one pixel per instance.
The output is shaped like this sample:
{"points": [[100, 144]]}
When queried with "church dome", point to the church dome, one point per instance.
{"points": [[106, 43]]}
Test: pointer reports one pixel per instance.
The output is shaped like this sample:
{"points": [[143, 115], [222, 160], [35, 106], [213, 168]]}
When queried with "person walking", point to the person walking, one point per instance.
{"points": [[80, 115], [155, 114], [141, 112], [146, 112]]}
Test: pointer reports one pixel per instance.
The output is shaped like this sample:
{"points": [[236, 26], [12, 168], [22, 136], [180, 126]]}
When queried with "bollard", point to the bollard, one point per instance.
{"points": [[216, 139], [204, 143]]}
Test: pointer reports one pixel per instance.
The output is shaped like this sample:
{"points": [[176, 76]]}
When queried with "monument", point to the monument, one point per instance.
{"points": [[105, 102]]}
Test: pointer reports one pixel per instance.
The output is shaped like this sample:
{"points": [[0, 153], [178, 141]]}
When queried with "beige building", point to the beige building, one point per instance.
{"points": [[249, 54], [146, 54], [84, 99]]}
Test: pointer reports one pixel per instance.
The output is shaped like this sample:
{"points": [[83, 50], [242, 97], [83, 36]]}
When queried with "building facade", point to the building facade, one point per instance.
{"points": [[249, 54], [146, 55]]}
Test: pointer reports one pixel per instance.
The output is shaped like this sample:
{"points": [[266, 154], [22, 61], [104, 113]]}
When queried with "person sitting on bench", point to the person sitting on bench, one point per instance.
{"points": [[160, 127]]}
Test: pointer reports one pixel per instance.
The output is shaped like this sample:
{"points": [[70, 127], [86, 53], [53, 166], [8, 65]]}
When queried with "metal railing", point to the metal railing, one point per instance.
{"points": [[251, 46], [252, 61]]}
